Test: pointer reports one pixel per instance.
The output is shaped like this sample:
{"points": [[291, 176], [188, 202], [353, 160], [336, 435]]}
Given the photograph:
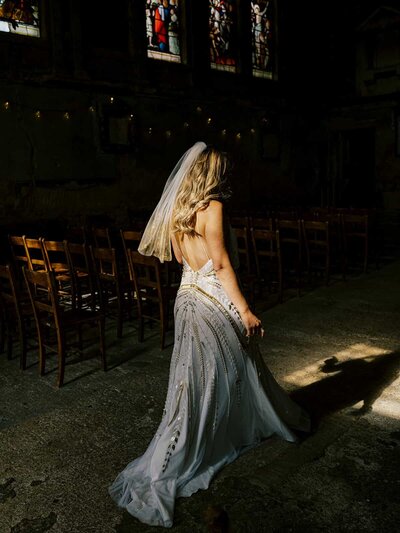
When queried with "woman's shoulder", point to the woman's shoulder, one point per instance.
{"points": [[214, 207], [211, 215]]}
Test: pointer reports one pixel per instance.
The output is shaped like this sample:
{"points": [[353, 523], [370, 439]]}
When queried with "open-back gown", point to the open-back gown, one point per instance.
{"points": [[221, 401]]}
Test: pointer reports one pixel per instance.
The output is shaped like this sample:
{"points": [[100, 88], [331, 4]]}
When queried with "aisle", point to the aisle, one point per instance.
{"points": [[336, 349]]}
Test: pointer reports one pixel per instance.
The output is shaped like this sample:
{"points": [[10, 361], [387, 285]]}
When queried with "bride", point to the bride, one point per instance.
{"points": [[221, 398]]}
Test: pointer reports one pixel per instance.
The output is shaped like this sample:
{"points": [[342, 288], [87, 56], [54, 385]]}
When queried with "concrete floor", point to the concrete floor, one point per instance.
{"points": [[60, 449]]}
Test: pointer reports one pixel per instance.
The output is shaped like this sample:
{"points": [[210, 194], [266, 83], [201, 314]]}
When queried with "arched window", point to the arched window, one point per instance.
{"points": [[163, 30], [263, 38], [20, 16], [222, 23]]}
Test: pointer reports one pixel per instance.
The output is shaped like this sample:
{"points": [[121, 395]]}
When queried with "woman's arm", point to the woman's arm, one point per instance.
{"points": [[214, 235], [177, 250]]}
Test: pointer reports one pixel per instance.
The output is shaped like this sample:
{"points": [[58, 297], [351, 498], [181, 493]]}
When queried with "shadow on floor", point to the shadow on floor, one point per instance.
{"points": [[354, 381]]}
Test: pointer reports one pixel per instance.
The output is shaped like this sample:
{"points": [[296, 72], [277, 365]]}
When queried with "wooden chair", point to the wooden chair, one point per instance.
{"points": [[151, 294], [16, 314], [239, 222], [337, 241], [268, 260], [245, 273], [101, 237], [56, 260], [18, 252], [263, 223], [76, 234], [130, 241], [54, 322], [19, 260], [35, 254], [82, 274], [110, 284], [291, 242], [356, 238], [318, 249]]}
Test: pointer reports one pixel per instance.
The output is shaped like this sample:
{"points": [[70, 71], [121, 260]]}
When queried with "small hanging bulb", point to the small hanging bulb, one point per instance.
{"points": [[199, 109], [223, 132], [131, 117], [252, 131], [168, 134], [66, 115], [238, 136], [186, 125], [111, 99], [209, 120], [6, 105], [150, 131], [91, 109], [38, 114]]}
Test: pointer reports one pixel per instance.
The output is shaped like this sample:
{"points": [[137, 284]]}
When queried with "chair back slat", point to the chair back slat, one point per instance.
{"points": [[101, 237], [130, 242], [35, 253]]}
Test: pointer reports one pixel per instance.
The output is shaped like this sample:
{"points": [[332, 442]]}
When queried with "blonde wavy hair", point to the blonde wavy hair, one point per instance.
{"points": [[202, 184]]}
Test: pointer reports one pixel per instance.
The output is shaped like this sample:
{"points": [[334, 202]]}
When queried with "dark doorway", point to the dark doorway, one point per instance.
{"points": [[357, 184]]}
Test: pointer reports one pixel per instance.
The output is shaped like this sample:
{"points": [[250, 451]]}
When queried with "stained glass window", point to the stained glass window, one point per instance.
{"points": [[20, 16], [262, 39], [163, 30], [223, 28]]}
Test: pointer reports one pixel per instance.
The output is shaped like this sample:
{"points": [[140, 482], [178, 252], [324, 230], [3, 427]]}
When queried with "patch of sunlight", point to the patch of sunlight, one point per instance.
{"points": [[311, 373], [389, 407]]}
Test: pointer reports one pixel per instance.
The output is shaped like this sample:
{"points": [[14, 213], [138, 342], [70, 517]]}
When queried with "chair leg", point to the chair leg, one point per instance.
{"points": [[327, 271], [42, 353], [9, 343], [23, 343], [120, 315], [280, 286], [61, 360], [2, 335], [366, 256], [102, 344], [163, 325]]}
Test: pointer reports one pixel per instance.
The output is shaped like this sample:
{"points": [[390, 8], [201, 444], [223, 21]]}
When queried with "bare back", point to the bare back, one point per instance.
{"points": [[194, 249]]}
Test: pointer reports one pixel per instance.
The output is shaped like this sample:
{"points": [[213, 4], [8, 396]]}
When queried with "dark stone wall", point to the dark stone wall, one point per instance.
{"points": [[278, 133]]}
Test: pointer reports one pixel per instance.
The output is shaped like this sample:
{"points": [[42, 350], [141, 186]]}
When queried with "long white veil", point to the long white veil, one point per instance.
{"points": [[156, 238]]}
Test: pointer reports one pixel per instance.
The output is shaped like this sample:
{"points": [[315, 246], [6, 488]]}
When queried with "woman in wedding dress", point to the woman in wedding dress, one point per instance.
{"points": [[221, 398]]}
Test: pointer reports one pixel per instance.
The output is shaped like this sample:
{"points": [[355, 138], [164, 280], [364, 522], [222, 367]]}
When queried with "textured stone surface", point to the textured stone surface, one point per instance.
{"points": [[336, 349]]}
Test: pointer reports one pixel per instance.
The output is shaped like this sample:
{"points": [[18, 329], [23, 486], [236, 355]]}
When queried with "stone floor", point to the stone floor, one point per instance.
{"points": [[336, 349]]}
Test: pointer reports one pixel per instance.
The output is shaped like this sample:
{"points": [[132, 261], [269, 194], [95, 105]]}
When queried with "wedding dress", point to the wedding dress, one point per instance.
{"points": [[221, 401]]}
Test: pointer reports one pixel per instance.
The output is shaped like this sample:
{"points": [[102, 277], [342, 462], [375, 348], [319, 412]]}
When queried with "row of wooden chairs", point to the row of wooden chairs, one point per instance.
{"points": [[270, 256], [68, 285], [349, 233]]}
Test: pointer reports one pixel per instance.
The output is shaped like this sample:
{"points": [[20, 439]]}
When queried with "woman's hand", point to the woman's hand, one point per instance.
{"points": [[251, 323]]}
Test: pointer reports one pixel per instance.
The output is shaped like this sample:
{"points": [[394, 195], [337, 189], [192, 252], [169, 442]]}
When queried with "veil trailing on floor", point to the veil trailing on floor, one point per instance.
{"points": [[156, 238]]}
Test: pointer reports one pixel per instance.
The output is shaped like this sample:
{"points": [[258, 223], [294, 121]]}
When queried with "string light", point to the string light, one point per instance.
{"points": [[210, 120]]}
